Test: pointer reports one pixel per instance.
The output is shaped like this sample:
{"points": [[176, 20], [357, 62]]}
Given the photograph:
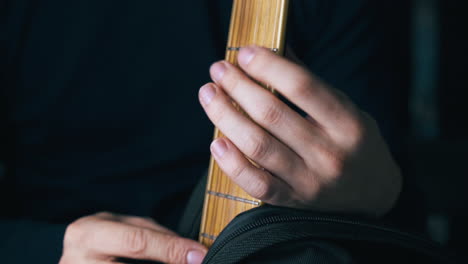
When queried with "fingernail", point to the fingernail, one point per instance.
{"points": [[207, 92], [217, 71], [195, 257], [246, 55], [218, 147]]}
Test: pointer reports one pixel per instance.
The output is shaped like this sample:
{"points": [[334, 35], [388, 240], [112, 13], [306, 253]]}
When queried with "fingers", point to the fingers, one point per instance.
{"points": [[312, 162], [256, 182], [322, 103], [136, 243], [250, 139], [265, 109], [100, 239]]}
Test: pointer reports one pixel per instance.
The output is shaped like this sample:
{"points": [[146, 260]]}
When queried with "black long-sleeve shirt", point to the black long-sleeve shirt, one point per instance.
{"points": [[99, 108]]}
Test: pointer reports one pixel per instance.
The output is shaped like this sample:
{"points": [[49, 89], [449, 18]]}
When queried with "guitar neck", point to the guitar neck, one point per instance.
{"points": [[263, 23]]}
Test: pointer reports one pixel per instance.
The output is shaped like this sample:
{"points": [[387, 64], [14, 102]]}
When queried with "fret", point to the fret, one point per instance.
{"points": [[233, 198], [275, 50], [253, 22], [211, 237]]}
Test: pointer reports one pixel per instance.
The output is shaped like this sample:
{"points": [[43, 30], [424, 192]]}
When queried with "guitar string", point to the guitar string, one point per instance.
{"points": [[219, 175], [239, 4], [223, 178]]}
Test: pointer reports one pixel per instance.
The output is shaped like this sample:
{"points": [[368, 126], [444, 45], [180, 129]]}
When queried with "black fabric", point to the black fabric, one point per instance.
{"points": [[23, 241], [302, 252], [189, 225], [99, 107], [272, 234]]}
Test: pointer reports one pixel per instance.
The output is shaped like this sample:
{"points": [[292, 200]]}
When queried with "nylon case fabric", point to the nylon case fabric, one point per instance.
{"points": [[271, 234]]}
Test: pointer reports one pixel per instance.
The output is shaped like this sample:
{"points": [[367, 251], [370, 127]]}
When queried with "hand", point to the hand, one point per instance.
{"points": [[332, 160], [108, 238]]}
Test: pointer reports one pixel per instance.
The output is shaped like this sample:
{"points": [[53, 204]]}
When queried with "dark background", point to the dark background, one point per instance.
{"points": [[429, 41]]}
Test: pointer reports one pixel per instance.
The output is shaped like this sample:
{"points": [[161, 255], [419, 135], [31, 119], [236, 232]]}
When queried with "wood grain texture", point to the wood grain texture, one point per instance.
{"points": [[263, 23]]}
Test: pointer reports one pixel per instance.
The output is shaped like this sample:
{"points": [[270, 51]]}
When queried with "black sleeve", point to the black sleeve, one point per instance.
{"points": [[25, 241], [22, 241]]}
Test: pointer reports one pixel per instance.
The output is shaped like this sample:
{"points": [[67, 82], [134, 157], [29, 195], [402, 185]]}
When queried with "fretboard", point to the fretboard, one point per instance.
{"points": [[263, 23]]}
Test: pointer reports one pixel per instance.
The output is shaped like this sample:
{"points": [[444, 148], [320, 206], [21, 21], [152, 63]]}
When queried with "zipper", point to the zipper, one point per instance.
{"points": [[276, 219]]}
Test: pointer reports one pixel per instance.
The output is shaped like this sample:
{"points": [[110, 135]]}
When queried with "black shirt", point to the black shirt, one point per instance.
{"points": [[99, 108]]}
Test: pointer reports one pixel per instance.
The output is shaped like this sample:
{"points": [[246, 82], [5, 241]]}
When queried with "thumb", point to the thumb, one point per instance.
{"points": [[145, 244], [174, 249]]}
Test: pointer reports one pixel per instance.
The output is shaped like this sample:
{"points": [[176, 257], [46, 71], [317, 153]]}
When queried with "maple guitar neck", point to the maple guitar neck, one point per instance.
{"points": [[263, 23]]}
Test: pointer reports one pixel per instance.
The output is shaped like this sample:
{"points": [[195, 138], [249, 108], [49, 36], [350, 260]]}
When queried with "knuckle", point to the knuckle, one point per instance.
{"points": [[217, 112], [175, 253], [260, 60], [136, 241], [312, 190], [104, 215], [333, 163], [356, 132], [336, 166], [258, 147], [262, 190], [136, 220], [309, 196], [271, 115], [75, 232], [238, 172], [302, 85], [232, 82]]}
